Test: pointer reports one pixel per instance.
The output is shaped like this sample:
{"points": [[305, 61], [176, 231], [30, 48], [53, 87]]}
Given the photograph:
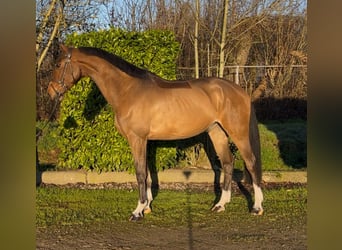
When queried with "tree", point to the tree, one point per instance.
{"points": [[197, 14], [59, 15], [223, 38], [283, 42], [55, 19]]}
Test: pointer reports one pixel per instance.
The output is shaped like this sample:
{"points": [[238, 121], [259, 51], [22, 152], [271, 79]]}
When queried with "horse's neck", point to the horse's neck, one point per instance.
{"points": [[107, 77]]}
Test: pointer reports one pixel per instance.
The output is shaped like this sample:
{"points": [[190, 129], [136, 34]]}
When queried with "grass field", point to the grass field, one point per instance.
{"points": [[80, 218], [70, 206], [74, 218]]}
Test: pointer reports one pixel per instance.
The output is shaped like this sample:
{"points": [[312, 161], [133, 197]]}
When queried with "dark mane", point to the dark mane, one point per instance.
{"points": [[117, 61]]}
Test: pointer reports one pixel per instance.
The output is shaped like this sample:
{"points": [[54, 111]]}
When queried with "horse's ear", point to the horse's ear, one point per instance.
{"points": [[63, 48]]}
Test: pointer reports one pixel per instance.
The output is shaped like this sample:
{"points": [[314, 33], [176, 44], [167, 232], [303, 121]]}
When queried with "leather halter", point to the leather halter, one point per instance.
{"points": [[61, 81]]}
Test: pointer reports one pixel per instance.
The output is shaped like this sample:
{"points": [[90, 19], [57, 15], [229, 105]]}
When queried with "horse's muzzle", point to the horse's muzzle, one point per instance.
{"points": [[54, 90]]}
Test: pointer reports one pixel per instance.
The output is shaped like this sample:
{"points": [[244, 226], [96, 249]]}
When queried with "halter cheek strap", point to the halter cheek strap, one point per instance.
{"points": [[61, 81], [55, 90]]}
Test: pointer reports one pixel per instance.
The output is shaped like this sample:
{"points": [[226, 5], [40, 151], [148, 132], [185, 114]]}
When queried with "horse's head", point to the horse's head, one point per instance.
{"points": [[65, 74]]}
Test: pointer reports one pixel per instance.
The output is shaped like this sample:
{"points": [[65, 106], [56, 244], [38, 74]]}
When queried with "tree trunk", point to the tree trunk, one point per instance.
{"points": [[196, 39], [43, 26], [223, 38], [52, 36]]}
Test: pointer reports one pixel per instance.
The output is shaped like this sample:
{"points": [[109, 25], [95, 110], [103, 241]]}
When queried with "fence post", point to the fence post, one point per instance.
{"points": [[237, 75]]}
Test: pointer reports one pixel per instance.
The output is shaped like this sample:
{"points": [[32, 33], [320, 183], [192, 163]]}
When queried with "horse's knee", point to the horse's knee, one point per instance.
{"points": [[141, 177]]}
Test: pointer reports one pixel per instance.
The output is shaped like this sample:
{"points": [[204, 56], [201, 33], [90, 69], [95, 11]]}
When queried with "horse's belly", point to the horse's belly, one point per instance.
{"points": [[179, 126]]}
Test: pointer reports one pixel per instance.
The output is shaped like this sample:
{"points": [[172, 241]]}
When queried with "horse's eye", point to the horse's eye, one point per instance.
{"points": [[58, 65]]}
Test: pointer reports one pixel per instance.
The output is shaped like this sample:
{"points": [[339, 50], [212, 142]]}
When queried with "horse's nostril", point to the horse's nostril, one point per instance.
{"points": [[52, 91]]}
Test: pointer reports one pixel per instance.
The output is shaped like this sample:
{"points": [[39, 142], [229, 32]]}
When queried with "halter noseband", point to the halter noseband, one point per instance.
{"points": [[61, 81]]}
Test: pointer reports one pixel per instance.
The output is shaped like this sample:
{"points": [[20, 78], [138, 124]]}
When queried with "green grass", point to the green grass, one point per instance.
{"points": [[71, 206], [283, 146]]}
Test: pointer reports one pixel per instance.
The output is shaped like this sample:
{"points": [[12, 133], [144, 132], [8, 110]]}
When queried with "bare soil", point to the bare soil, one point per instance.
{"points": [[139, 235]]}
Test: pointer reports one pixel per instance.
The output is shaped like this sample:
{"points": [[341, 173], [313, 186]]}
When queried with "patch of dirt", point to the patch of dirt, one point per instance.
{"points": [[138, 235]]}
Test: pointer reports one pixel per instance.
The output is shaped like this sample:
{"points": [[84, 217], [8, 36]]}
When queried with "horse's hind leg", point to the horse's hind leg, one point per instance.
{"points": [[149, 195], [221, 145], [254, 169]]}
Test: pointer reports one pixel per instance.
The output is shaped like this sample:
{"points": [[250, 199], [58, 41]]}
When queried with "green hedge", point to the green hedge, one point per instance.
{"points": [[88, 138]]}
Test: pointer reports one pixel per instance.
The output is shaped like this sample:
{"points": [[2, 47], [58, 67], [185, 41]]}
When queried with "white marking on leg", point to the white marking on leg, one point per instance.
{"points": [[258, 198], [147, 209], [225, 198], [138, 212]]}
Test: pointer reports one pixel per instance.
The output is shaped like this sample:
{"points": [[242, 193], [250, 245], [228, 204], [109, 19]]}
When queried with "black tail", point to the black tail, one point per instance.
{"points": [[254, 139]]}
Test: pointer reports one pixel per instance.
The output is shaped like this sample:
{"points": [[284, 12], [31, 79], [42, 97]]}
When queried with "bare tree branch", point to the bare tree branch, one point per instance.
{"points": [[223, 37], [52, 36], [43, 26]]}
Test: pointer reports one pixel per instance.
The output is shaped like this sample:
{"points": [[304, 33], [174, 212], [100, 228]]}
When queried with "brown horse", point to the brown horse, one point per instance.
{"points": [[148, 107]]}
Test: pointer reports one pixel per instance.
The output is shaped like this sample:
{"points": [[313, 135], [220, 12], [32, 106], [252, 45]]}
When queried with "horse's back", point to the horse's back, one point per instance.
{"points": [[216, 94], [219, 89]]}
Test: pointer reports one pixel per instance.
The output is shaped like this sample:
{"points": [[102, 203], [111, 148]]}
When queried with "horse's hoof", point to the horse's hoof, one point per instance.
{"points": [[218, 209], [135, 218], [147, 210], [257, 211]]}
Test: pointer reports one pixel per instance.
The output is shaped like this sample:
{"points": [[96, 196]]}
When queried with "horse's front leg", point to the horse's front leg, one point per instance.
{"points": [[138, 146], [221, 145]]}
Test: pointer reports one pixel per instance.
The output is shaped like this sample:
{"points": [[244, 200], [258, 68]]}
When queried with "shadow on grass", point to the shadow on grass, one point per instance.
{"points": [[292, 143], [204, 139]]}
